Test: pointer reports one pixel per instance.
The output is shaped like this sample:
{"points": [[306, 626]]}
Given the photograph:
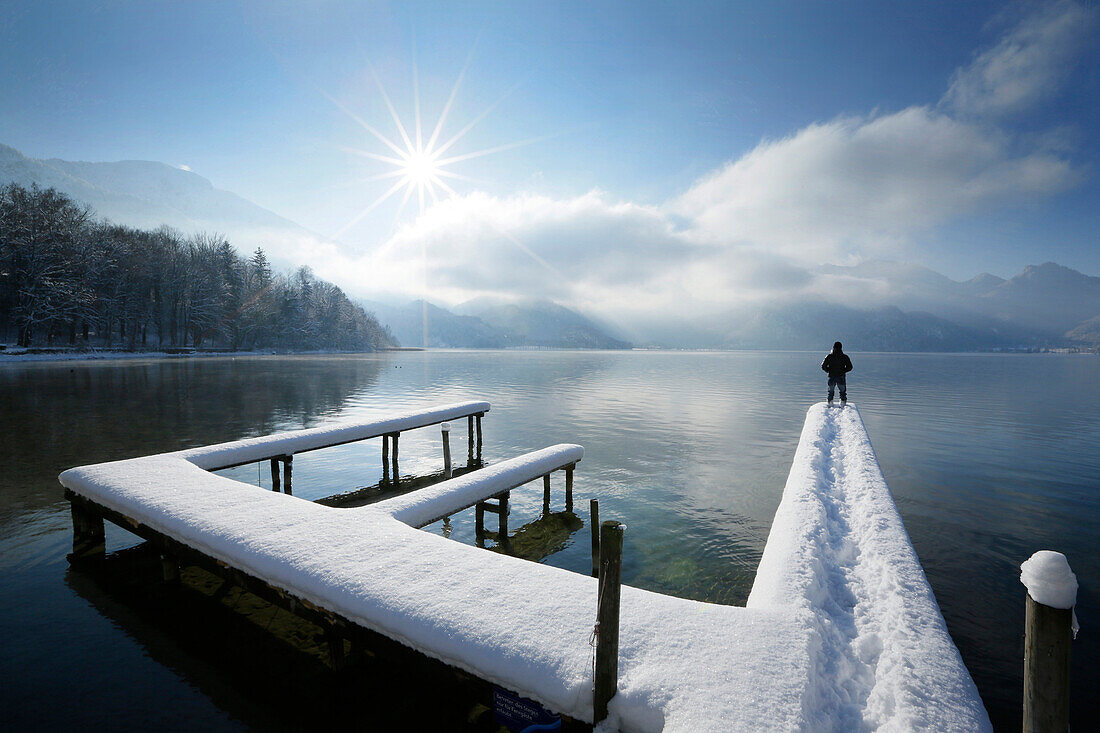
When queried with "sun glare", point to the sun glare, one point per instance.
{"points": [[418, 165], [420, 169]]}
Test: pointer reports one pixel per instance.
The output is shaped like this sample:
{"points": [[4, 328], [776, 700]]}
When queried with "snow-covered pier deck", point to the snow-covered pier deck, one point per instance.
{"points": [[841, 631]]}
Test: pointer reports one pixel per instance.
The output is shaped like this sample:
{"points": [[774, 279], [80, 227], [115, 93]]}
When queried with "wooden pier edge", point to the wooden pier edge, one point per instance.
{"points": [[90, 514]]}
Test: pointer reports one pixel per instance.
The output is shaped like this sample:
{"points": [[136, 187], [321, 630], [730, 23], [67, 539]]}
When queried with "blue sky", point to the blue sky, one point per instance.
{"points": [[758, 137]]}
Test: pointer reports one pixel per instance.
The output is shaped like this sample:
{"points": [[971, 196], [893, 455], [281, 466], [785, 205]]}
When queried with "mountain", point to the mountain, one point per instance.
{"points": [[487, 324], [445, 329], [542, 323], [146, 194]]}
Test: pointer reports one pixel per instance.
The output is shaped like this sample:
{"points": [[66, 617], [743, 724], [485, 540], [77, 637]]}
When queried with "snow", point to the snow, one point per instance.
{"points": [[841, 631], [237, 452], [1049, 580], [427, 505]]}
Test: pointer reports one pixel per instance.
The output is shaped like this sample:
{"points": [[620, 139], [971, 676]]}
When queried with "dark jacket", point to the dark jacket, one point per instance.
{"points": [[837, 364]]}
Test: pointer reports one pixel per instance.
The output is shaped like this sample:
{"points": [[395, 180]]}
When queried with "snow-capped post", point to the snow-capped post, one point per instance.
{"points": [[546, 494], [1049, 621], [607, 617], [446, 429], [275, 475], [594, 524]]}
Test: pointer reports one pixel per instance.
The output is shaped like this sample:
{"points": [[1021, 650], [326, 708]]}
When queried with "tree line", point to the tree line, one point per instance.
{"points": [[67, 278]]}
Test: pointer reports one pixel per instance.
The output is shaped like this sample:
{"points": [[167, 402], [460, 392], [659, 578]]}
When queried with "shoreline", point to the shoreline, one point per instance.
{"points": [[26, 356]]}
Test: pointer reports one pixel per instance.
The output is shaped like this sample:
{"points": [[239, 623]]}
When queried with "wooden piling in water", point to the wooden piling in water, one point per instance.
{"points": [[446, 430], [479, 436], [546, 494], [607, 617], [396, 470], [470, 440], [502, 536], [288, 463], [275, 475], [89, 540], [385, 459], [594, 525], [1047, 639], [569, 489]]}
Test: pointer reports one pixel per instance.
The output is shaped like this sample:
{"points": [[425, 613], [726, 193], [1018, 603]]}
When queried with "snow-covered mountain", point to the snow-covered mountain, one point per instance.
{"points": [[147, 194]]}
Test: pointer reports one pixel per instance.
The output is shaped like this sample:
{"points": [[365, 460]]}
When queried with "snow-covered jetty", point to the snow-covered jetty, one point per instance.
{"points": [[841, 631]]}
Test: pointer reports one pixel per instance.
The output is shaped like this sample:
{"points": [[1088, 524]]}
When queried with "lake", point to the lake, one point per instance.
{"points": [[989, 457]]}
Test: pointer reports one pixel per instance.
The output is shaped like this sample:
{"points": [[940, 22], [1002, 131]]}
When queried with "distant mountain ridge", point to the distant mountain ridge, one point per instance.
{"points": [[497, 325], [147, 194]]}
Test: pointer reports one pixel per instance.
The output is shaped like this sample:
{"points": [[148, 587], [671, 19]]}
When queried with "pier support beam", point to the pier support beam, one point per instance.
{"points": [[470, 440], [385, 459], [594, 524], [396, 471], [275, 480], [446, 430], [89, 541], [569, 488], [288, 468], [479, 415], [546, 494], [607, 617]]}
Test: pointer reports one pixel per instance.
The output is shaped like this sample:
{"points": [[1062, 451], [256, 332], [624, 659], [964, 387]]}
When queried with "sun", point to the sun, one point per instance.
{"points": [[420, 169], [419, 166]]}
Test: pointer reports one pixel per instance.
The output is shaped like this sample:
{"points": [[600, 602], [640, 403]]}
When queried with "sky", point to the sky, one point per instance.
{"points": [[622, 156]]}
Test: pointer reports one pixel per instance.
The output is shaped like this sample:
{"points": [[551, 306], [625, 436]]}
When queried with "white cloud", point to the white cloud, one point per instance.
{"points": [[1028, 65], [858, 187]]}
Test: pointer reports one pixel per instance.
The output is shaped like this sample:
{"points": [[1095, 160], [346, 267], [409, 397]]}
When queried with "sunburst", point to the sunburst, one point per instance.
{"points": [[419, 166]]}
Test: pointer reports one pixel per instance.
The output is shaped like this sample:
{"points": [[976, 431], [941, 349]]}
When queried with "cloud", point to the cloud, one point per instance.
{"points": [[1027, 66], [857, 187]]}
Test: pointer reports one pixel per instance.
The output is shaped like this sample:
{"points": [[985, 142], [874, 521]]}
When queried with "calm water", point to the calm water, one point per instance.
{"points": [[989, 457]]}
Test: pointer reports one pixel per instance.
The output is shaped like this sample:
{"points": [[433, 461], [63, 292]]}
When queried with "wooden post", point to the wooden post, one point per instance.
{"points": [[607, 616], [470, 439], [396, 470], [503, 516], [446, 429], [1046, 667], [89, 540], [479, 520], [288, 463], [169, 569], [569, 489], [479, 437], [275, 474], [335, 649], [385, 459], [594, 524], [546, 494]]}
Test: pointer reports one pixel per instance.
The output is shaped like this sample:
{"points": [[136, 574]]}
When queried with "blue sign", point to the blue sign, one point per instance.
{"points": [[522, 715]]}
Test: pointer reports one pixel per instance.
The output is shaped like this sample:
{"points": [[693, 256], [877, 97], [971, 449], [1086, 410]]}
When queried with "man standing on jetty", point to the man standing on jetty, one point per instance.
{"points": [[837, 365]]}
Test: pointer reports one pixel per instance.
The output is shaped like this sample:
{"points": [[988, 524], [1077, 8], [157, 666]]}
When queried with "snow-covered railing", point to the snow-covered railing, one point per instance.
{"points": [[841, 631], [420, 508], [251, 450]]}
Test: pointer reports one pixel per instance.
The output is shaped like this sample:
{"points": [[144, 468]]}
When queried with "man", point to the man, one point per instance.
{"points": [[837, 364]]}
